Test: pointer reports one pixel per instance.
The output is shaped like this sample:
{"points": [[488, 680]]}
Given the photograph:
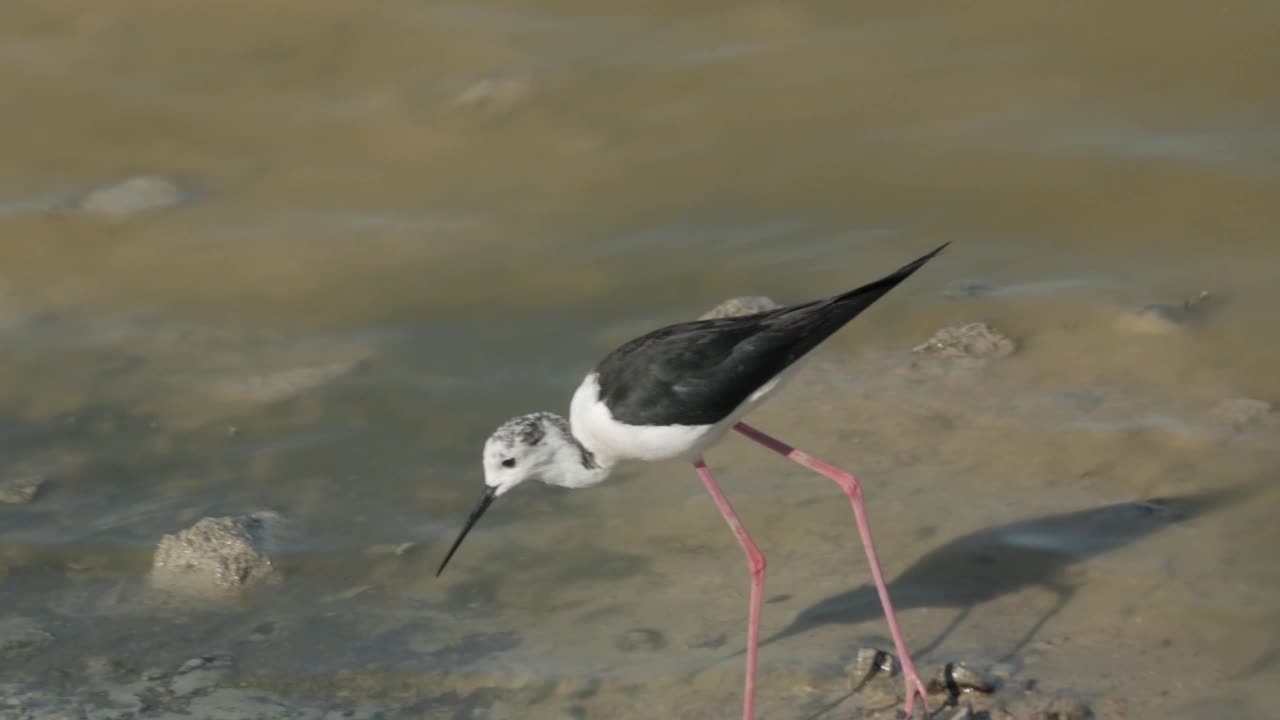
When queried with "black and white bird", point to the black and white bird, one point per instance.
{"points": [[672, 394]]}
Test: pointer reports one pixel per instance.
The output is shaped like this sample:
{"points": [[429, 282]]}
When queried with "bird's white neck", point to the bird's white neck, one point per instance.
{"points": [[572, 463]]}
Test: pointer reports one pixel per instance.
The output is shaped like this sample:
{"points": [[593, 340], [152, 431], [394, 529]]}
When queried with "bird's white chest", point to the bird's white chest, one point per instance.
{"points": [[596, 427]]}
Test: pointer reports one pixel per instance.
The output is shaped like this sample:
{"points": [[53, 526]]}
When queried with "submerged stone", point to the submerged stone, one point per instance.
{"points": [[134, 195], [494, 95], [20, 490], [217, 556], [964, 346], [1165, 319], [967, 341]]}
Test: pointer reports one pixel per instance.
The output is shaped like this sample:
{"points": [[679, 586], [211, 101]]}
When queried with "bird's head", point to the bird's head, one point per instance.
{"points": [[522, 448]]}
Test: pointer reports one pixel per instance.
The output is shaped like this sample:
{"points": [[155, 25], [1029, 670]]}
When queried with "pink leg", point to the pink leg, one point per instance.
{"points": [[849, 484], [755, 561]]}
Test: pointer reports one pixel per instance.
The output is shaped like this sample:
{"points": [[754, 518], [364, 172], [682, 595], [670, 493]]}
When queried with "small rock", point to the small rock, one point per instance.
{"points": [[964, 712], [969, 340], [964, 346], [1243, 413], [970, 680], [868, 664], [956, 678], [1162, 319], [134, 195], [20, 490], [745, 305], [21, 635], [216, 555], [197, 663], [637, 639], [495, 95]]}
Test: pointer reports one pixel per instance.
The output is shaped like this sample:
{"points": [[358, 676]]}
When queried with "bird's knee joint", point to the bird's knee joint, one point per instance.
{"points": [[757, 564], [855, 488], [850, 485]]}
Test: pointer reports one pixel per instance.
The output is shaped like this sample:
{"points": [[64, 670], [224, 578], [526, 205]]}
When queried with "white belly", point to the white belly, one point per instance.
{"points": [[596, 427]]}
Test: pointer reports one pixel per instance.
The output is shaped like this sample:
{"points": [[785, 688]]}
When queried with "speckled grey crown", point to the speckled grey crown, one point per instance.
{"points": [[529, 429]]}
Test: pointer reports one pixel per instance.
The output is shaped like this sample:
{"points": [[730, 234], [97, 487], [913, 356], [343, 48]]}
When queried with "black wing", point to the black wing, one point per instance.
{"points": [[697, 373]]}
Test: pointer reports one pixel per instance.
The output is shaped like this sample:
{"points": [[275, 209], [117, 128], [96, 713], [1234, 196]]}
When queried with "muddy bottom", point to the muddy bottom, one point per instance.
{"points": [[1076, 543]]}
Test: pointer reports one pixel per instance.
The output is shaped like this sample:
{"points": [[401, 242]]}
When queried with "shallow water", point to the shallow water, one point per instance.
{"points": [[408, 222]]}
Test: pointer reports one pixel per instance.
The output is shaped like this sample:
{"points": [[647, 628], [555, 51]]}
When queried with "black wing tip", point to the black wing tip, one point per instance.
{"points": [[918, 262], [906, 270], [891, 280]]}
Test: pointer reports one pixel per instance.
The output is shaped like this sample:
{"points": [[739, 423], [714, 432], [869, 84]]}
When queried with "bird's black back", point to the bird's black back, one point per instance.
{"points": [[697, 373]]}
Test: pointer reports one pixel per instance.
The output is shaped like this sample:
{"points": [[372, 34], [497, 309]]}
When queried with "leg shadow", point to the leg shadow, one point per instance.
{"points": [[993, 562]]}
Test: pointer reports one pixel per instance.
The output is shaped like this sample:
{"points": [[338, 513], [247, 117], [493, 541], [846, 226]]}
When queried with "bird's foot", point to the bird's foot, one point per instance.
{"points": [[914, 689]]}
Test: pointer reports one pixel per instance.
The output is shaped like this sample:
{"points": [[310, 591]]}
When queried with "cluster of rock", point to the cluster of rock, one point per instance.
{"points": [[960, 691]]}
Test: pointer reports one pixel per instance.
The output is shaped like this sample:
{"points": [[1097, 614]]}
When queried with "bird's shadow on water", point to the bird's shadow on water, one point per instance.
{"points": [[984, 565]]}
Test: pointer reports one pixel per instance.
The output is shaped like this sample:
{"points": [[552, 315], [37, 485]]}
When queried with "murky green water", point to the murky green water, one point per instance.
{"points": [[411, 221]]}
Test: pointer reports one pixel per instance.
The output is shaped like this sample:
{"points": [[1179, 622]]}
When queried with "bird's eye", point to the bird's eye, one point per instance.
{"points": [[509, 463]]}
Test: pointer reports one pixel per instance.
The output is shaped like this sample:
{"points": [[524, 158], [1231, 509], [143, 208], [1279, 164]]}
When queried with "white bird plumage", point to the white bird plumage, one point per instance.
{"points": [[584, 451]]}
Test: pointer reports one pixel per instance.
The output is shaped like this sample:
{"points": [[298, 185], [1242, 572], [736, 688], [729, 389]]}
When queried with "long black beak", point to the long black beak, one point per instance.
{"points": [[485, 501]]}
